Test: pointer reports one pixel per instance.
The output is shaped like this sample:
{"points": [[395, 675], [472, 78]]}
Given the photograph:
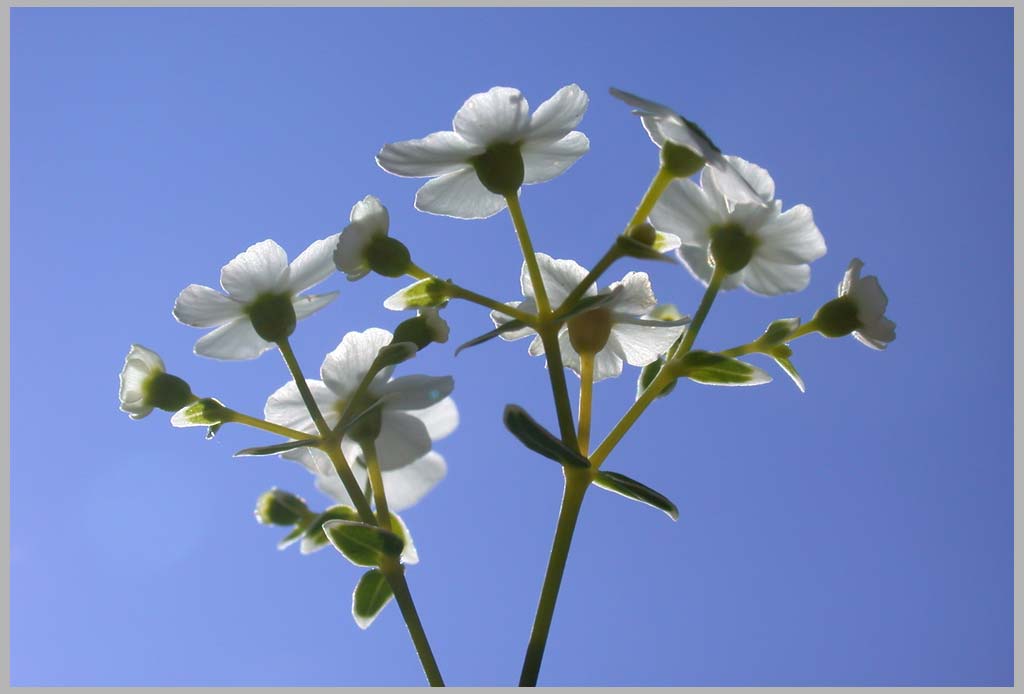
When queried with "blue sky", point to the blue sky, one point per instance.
{"points": [[858, 534]]}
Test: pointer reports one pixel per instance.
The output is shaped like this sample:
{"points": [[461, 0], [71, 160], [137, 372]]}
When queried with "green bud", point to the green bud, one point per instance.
{"points": [[422, 294], [201, 413], [422, 330], [643, 233], [589, 332], [167, 392], [367, 427], [277, 507], [647, 376], [731, 247], [500, 168], [272, 316], [837, 318], [387, 256], [681, 162]]}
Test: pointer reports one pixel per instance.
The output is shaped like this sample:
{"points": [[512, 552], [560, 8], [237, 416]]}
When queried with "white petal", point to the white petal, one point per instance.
{"points": [[607, 363], [263, 267], [791, 237], [500, 114], [458, 194], [346, 365], [416, 392], [636, 296], [870, 299], [499, 319], [544, 160], [559, 276], [758, 177], [557, 116], [434, 155], [350, 253], [405, 487], [642, 344], [674, 130], [403, 438], [150, 359], [440, 420], [770, 278], [641, 103], [330, 484], [536, 347], [570, 357], [313, 265], [203, 307], [308, 304], [851, 276], [686, 211], [734, 184], [287, 408], [665, 242], [695, 258], [234, 340], [877, 334]]}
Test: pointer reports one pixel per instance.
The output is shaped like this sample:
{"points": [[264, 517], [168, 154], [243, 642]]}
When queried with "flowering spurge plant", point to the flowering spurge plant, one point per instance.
{"points": [[367, 437]]}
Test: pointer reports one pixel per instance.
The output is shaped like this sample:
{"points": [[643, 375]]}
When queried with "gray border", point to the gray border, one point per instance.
{"points": [[5, 306]]}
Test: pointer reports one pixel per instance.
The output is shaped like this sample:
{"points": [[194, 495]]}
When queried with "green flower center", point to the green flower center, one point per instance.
{"points": [[166, 392], [838, 317], [589, 332], [681, 162], [387, 256], [272, 316], [500, 168], [731, 247]]}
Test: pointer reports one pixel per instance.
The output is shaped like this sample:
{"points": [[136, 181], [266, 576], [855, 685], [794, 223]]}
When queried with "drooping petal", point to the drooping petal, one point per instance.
{"points": [[545, 159], [636, 296], [405, 487], [313, 265], [415, 392], [734, 184], [756, 176], [203, 307], [440, 419], [560, 277], [686, 211], [458, 194], [345, 366], [557, 116], [403, 438], [234, 340], [641, 344], [878, 334], [871, 300], [434, 155], [263, 267], [674, 130], [791, 237], [501, 114], [770, 278], [308, 304], [287, 408]]}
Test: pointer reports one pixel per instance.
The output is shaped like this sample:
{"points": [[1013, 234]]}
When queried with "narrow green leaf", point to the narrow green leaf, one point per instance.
{"points": [[315, 538], [362, 544], [372, 593], [294, 536], [720, 370], [276, 448], [398, 527], [788, 367], [778, 330], [635, 249], [490, 335], [540, 440], [631, 489]]}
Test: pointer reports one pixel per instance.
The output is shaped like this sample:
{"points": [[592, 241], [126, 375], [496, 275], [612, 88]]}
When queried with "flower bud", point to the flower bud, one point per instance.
{"points": [[425, 328], [837, 318], [731, 247], [500, 168], [201, 413], [277, 507], [387, 256], [272, 316], [422, 294], [643, 233], [168, 392], [681, 162], [589, 331], [647, 376], [366, 427]]}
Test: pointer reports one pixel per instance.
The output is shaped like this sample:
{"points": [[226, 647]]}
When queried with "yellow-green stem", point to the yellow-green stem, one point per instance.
{"points": [[394, 572], [300, 382], [239, 418], [540, 292], [610, 256], [376, 482], [457, 291], [586, 398], [658, 185]]}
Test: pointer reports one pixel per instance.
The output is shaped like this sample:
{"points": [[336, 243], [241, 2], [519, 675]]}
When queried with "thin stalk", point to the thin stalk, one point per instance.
{"points": [[377, 482], [610, 256], [300, 382], [658, 185], [395, 574], [529, 256], [572, 500], [457, 291], [586, 397], [702, 312], [239, 418]]}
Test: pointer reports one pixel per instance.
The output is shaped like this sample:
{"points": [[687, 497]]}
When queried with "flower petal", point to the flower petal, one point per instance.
{"points": [[851, 276], [287, 408], [791, 237], [403, 439], [345, 366], [607, 363], [440, 419], [636, 296], [734, 184], [434, 155], [499, 319], [560, 277], [758, 177], [770, 278], [642, 344], [557, 116], [686, 211], [544, 160], [234, 340], [308, 304], [313, 265], [263, 267], [203, 307], [878, 334], [415, 392], [695, 258], [501, 114], [458, 194], [871, 300], [405, 487]]}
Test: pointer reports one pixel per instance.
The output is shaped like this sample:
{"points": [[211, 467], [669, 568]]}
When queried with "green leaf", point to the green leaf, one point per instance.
{"points": [[276, 448], [372, 593], [631, 489], [315, 537], [294, 536], [647, 376], [540, 440], [720, 370], [398, 527], [635, 249], [788, 367], [778, 330], [490, 335], [362, 544], [395, 353]]}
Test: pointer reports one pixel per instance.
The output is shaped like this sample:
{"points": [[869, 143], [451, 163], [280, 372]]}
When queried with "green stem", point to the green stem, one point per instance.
{"points": [[300, 382], [576, 483], [239, 418], [586, 398], [702, 312], [377, 482], [395, 574], [658, 185], [459, 292], [559, 388], [529, 256], [610, 256]]}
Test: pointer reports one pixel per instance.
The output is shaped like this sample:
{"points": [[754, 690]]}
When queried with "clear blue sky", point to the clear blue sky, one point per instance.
{"points": [[859, 534]]}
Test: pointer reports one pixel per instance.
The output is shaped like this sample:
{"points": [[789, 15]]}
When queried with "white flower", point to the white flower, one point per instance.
{"points": [[367, 222], [875, 331], [765, 249], [665, 125], [403, 487], [491, 131], [633, 335], [414, 411], [141, 366], [259, 284]]}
